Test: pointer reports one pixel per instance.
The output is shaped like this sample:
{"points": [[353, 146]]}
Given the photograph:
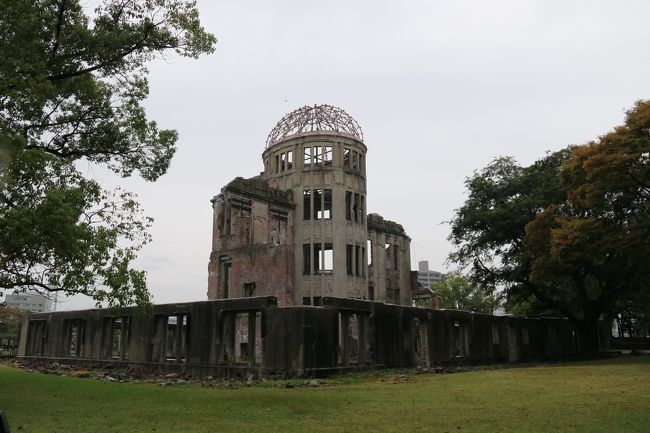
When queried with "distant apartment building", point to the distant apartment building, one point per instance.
{"points": [[31, 302], [427, 277]]}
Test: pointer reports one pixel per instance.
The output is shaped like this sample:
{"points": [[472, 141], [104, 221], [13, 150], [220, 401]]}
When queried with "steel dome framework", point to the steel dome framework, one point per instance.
{"points": [[314, 118]]}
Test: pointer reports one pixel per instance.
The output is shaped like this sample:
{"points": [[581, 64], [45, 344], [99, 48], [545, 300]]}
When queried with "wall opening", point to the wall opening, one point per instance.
{"points": [[176, 338], [348, 259], [327, 155], [306, 259], [323, 258], [73, 337], [36, 337], [348, 205], [306, 162], [249, 289]]}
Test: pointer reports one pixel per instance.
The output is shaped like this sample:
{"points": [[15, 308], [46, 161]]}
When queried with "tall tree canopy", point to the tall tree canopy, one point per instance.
{"points": [[570, 232], [72, 85], [457, 292]]}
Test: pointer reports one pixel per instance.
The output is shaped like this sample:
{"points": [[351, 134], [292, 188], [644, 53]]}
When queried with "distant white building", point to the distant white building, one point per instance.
{"points": [[34, 303], [427, 277]]}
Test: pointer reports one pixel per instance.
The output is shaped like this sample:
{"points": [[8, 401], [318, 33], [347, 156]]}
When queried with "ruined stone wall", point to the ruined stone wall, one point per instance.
{"points": [[235, 337], [390, 272]]}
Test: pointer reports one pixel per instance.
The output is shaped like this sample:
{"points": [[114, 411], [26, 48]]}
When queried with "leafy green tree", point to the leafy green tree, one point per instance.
{"points": [[570, 232], [457, 292], [71, 89]]}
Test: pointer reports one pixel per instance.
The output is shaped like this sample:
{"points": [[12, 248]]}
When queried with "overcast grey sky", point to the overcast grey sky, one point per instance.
{"points": [[438, 87]]}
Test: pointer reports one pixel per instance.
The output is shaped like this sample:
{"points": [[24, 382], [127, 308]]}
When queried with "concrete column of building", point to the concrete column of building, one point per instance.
{"points": [[328, 184]]}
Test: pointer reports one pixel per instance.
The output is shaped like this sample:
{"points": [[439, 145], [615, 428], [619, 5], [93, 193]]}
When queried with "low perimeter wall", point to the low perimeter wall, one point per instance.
{"points": [[237, 337]]}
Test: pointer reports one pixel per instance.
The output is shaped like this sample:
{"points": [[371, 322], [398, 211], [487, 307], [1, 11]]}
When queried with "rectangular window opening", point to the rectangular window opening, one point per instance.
{"points": [[348, 259], [348, 205], [306, 262], [346, 158], [362, 207], [306, 204], [277, 163], [241, 337], [289, 160], [355, 161], [357, 260], [318, 203], [249, 290], [306, 162], [369, 252], [317, 155], [323, 258], [355, 207], [327, 155], [326, 212], [283, 162], [328, 258]]}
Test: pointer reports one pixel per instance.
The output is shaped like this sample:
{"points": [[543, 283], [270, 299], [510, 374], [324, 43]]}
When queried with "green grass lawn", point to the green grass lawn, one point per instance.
{"points": [[600, 396]]}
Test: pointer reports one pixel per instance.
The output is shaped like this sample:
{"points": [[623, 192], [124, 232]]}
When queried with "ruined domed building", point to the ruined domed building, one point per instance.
{"points": [[294, 256], [299, 231]]}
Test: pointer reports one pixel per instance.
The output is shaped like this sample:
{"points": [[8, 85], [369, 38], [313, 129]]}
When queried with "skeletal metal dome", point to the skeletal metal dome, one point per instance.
{"points": [[314, 119]]}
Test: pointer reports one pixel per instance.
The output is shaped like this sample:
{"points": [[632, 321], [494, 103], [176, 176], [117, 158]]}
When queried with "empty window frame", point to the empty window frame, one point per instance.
{"points": [[249, 290], [116, 331], [362, 207], [322, 202], [346, 158], [355, 207], [361, 163], [277, 163], [357, 260], [243, 333], [241, 337], [317, 155], [289, 160], [317, 301], [355, 160], [306, 204], [348, 205], [326, 213], [306, 259], [323, 258], [327, 155], [283, 162], [177, 337], [224, 264], [369, 252], [73, 337], [317, 198], [306, 162], [348, 259], [363, 264], [36, 337]]}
